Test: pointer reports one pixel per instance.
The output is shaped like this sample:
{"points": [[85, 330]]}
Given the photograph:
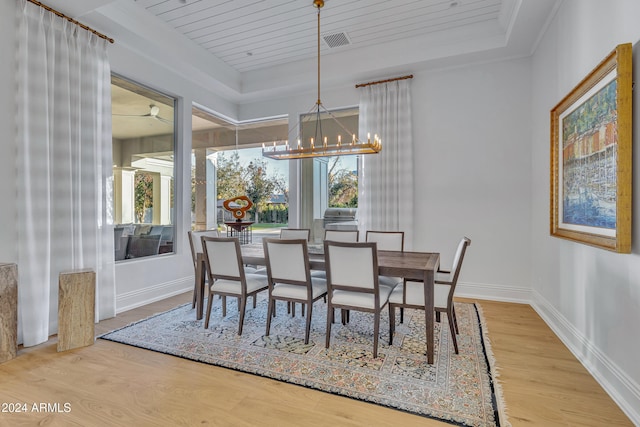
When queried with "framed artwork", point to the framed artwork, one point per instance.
{"points": [[591, 162]]}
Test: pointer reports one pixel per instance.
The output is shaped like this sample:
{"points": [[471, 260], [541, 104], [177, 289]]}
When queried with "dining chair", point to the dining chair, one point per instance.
{"points": [[341, 235], [227, 276], [295, 233], [352, 283], [336, 236], [290, 278], [411, 295], [387, 241], [195, 243]]}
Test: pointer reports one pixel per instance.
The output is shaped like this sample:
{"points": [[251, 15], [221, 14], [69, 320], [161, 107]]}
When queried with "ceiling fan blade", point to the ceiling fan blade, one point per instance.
{"points": [[132, 115], [163, 120]]}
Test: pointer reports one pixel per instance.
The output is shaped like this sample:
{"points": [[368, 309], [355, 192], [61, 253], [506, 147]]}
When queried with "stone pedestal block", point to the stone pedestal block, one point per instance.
{"points": [[76, 309], [8, 312]]}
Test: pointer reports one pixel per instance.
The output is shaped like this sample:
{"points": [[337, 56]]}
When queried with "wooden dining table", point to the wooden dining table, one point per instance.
{"points": [[419, 266]]}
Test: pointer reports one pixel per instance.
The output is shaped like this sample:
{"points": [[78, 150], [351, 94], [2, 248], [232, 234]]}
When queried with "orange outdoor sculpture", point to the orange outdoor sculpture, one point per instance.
{"points": [[243, 204]]}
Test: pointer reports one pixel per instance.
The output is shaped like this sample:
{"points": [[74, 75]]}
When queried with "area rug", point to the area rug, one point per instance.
{"points": [[459, 389]]}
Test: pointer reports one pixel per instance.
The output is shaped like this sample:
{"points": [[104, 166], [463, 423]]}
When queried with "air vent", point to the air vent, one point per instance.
{"points": [[336, 39]]}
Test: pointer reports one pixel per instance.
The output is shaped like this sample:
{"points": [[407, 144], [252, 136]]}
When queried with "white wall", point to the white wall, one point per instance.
{"points": [[590, 297], [473, 171]]}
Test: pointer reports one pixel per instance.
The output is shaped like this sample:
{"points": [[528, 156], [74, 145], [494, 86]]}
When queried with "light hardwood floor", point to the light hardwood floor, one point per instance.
{"points": [[110, 384]]}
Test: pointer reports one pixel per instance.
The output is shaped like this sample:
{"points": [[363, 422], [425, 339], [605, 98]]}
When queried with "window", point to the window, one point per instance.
{"points": [[328, 182], [143, 169], [227, 161]]}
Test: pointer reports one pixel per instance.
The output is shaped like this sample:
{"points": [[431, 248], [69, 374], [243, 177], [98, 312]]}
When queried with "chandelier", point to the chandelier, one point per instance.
{"points": [[319, 145]]}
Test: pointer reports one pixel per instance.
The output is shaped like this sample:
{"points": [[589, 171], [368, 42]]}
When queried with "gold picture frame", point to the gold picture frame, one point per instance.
{"points": [[591, 157]]}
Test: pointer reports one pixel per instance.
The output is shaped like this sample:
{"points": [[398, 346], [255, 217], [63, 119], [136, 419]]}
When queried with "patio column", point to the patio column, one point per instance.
{"points": [[123, 197], [205, 189]]}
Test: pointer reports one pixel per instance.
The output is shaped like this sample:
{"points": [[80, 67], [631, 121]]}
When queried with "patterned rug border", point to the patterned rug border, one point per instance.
{"points": [[494, 373], [498, 403]]}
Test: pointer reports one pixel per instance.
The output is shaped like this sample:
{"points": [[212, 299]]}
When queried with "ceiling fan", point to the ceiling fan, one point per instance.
{"points": [[154, 110]]}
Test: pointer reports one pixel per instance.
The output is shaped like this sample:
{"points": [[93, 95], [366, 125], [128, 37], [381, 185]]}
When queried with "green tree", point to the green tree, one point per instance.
{"points": [[231, 176], [143, 194], [253, 180], [343, 185], [260, 185]]}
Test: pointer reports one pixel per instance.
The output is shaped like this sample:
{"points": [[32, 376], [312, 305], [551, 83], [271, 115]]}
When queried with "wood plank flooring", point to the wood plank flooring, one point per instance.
{"points": [[110, 384]]}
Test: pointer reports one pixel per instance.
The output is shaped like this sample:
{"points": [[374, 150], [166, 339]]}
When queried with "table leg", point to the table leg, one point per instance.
{"points": [[428, 312], [200, 280]]}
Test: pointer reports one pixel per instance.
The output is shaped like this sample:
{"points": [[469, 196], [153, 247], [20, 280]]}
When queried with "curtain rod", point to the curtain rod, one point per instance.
{"points": [[79, 24], [410, 76]]}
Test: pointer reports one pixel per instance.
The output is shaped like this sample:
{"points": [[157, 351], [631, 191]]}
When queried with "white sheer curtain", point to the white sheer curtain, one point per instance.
{"points": [[385, 181], [64, 166]]}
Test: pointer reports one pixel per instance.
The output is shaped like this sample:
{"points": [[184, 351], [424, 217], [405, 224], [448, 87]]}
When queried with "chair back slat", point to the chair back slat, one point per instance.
{"points": [[387, 240]]}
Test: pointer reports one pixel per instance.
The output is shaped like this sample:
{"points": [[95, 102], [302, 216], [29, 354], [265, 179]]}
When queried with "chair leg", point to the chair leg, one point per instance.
{"points": [[330, 316], [438, 316], [224, 306], [272, 304], [243, 302], [307, 330], [392, 322], [453, 330], [345, 315], [401, 314], [254, 300], [376, 330], [455, 319], [195, 290], [206, 319]]}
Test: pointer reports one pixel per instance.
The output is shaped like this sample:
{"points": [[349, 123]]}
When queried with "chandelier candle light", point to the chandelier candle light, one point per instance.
{"points": [[319, 146]]}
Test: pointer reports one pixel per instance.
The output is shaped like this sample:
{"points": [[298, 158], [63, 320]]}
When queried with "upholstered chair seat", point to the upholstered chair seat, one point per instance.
{"points": [[318, 289], [360, 300], [255, 282]]}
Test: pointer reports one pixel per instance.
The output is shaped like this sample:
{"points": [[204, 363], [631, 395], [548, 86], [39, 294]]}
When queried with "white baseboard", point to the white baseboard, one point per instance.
{"points": [[622, 389], [493, 292], [130, 300]]}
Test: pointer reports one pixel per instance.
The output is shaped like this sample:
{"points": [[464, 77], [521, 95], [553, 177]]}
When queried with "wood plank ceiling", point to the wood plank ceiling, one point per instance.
{"points": [[254, 34]]}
